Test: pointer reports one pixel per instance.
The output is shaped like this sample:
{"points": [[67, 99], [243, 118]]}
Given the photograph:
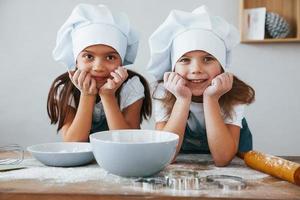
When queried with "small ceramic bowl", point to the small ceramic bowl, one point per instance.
{"points": [[134, 153], [62, 154]]}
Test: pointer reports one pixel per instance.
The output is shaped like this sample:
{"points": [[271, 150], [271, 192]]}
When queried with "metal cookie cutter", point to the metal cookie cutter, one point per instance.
{"points": [[13, 154], [227, 182], [150, 183], [182, 179], [188, 183], [183, 173], [188, 180]]}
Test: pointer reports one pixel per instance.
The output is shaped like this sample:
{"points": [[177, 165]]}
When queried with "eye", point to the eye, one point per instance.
{"points": [[111, 57], [88, 57], [184, 60], [208, 59]]}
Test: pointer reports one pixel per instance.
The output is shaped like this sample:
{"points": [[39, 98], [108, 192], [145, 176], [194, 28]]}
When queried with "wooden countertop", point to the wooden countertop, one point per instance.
{"points": [[259, 186]]}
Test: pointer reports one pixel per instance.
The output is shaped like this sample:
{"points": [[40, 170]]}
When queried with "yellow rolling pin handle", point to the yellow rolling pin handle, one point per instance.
{"points": [[275, 166]]}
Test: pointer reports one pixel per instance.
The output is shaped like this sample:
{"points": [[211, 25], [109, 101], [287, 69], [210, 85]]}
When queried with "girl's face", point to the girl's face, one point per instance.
{"points": [[198, 68], [99, 60]]}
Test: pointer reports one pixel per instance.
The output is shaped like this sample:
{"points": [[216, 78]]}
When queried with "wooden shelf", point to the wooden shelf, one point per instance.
{"points": [[289, 9], [271, 40]]}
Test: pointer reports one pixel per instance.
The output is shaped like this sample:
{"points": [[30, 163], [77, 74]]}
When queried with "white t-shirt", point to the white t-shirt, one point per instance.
{"points": [[160, 112], [131, 91]]}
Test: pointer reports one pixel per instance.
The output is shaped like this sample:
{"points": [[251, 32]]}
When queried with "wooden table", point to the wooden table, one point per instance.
{"points": [[265, 187]]}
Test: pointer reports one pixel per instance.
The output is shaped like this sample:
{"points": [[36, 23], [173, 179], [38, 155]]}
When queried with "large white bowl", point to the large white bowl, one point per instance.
{"points": [[134, 153], [63, 154]]}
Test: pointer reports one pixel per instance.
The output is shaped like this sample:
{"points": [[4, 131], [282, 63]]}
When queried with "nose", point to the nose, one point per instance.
{"points": [[98, 66], [196, 67]]}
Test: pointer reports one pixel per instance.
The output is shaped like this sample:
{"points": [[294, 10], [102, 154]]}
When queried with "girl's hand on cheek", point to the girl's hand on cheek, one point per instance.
{"points": [[112, 84], [175, 84], [219, 85], [83, 81]]}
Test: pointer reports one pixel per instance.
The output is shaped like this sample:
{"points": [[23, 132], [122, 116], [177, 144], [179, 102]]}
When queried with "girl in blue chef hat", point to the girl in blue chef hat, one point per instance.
{"points": [[96, 93], [196, 97]]}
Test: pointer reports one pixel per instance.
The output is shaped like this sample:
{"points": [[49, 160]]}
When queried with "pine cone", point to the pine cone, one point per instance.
{"points": [[276, 26]]}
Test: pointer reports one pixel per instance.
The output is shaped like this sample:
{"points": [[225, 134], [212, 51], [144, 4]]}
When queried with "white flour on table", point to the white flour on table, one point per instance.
{"points": [[203, 164]]}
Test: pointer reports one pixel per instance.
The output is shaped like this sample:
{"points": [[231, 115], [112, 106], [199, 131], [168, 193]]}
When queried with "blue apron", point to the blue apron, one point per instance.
{"points": [[99, 122], [99, 126], [196, 141]]}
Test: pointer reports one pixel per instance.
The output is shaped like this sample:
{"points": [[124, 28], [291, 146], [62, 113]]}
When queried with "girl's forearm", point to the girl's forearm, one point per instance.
{"points": [[221, 143], [114, 116], [178, 120], [81, 125]]}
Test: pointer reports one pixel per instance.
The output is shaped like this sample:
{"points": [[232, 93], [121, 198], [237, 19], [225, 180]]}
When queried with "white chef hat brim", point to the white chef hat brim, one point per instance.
{"points": [[178, 24], [192, 40], [93, 34], [99, 26]]}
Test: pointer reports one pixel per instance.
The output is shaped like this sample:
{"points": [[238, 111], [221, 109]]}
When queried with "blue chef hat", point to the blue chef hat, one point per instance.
{"points": [[90, 25], [183, 31]]}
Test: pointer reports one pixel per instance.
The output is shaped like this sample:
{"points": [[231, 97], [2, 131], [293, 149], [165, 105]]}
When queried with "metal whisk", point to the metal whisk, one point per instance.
{"points": [[11, 154]]}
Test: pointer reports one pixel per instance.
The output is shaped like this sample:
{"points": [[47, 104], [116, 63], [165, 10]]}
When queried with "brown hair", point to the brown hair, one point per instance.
{"points": [[62, 89], [240, 93]]}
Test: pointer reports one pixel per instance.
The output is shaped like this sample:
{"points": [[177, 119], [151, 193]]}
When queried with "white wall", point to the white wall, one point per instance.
{"points": [[27, 37]]}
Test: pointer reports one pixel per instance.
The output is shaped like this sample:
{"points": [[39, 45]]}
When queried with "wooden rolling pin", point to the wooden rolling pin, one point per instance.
{"points": [[275, 166]]}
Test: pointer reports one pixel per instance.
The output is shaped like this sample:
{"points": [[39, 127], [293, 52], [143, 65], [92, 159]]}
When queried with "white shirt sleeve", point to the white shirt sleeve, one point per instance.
{"points": [[160, 112], [237, 115], [131, 91]]}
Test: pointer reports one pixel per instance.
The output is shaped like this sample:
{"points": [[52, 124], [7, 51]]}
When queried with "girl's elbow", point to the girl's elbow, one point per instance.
{"points": [[71, 138], [75, 139], [223, 161]]}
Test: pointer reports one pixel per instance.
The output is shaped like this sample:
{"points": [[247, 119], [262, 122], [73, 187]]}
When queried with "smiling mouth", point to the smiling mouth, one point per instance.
{"points": [[100, 79], [198, 81]]}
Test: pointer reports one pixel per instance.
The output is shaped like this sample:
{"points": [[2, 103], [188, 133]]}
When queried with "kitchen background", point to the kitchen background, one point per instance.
{"points": [[27, 37]]}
